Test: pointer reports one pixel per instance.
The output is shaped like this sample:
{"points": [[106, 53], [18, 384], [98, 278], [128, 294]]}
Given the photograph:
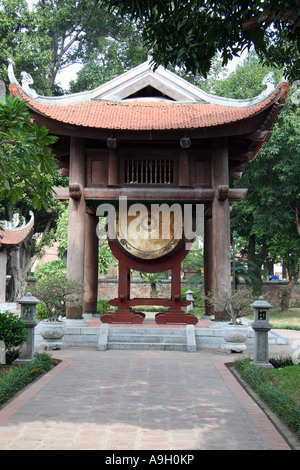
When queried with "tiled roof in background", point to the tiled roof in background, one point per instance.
{"points": [[14, 237]]}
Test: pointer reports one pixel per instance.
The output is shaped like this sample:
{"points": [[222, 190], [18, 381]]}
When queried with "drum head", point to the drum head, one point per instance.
{"points": [[147, 233]]}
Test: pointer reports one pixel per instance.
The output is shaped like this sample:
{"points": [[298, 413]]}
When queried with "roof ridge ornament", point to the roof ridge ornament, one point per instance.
{"points": [[13, 224], [269, 80], [26, 81]]}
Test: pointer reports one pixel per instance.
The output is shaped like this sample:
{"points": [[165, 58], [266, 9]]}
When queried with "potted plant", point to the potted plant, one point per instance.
{"points": [[236, 305], [54, 291]]}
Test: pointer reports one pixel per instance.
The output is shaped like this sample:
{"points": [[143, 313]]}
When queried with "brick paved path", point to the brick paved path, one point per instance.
{"points": [[135, 400]]}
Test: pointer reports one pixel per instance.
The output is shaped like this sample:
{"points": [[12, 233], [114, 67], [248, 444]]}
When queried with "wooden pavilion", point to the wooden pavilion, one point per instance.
{"points": [[151, 136]]}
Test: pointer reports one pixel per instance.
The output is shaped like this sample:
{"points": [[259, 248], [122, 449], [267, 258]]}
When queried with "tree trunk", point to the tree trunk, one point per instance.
{"points": [[286, 293], [153, 293], [21, 262]]}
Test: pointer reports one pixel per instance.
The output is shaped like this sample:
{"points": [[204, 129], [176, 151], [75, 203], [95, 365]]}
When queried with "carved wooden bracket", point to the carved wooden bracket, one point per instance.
{"points": [[75, 191], [185, 142], [260, 136], [112, 143], [222, 192]]}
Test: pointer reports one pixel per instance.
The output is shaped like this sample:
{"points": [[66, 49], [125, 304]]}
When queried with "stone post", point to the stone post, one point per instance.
{"points": [[28, 311], [189, 296], [2, 353], [261, 327], [2, 276]]}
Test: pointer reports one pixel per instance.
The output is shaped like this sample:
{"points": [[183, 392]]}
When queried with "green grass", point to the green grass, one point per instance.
{"points": [[285, 320], [289, 320], [278, 388], [14, 378], [287, 380]]}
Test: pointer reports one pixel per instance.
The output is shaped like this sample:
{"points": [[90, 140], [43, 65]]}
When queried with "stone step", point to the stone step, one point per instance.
{"points": [[148, 331], [113, 338], [162, 346], [177, 339]]}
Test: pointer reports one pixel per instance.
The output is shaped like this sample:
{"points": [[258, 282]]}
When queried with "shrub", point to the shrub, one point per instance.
{"points": [[13, 332], [41, 312], [236, 304], [284, 405], [53, 268], [103, 307], [18, 377], [54, 291]]}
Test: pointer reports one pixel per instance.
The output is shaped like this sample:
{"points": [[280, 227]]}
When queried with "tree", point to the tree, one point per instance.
{"points": [[26, 161], [28, 171], [269, 215], [111, 59], [190, 33], [267, 220], [22, 40], [54, 34]]}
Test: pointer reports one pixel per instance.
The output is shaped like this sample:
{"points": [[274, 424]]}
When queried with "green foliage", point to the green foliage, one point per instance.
{"points": [[51, 35], [281, 402], [113, 56], [190, 33], [26, 161], [103, 307], [194, 261], [61, 233], [13, 332], [54, 291], [18, 377], [250, 273], [53, 268], [197, 295]]}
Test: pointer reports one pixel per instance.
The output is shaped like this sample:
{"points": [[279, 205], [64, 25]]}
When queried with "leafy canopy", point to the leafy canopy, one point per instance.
{"points": [[189, 33], [26, 162]]}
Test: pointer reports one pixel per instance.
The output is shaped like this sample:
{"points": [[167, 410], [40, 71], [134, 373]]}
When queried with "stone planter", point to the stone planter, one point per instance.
{"points": [[235, 337], [52, 333]]}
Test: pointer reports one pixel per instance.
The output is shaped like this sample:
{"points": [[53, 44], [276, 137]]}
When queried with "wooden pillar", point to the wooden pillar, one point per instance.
{"points": [[76, 221], [220, 230], [90, 264], [113, 163], [184, 162], [208, 262]]}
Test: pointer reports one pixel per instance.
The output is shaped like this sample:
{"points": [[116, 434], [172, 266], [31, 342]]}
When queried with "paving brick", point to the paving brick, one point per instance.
{"points": [[137, 400]]}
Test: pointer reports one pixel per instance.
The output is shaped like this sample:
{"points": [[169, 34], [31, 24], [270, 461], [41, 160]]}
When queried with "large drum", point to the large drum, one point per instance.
{"points": [[149, 232], [148, 238]]}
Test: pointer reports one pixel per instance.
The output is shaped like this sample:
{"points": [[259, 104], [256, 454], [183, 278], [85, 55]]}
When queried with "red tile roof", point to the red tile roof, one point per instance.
{"points": [[153, 115], [14, 237]]}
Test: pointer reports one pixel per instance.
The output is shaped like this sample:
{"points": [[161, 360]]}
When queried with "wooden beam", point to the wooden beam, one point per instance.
{"points": [[151, 194]]}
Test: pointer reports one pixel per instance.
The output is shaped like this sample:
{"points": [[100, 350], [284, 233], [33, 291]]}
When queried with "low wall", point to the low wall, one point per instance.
{"points": [[272, 291], [108, 289]]}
